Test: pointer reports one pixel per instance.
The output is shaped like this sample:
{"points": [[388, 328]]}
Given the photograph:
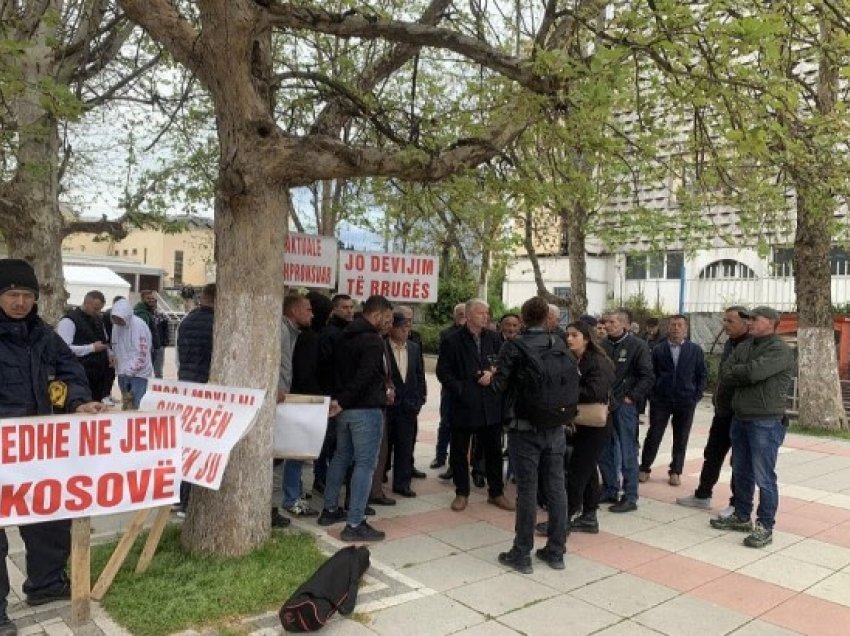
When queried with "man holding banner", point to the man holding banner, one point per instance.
{"points": [[38, 374]]}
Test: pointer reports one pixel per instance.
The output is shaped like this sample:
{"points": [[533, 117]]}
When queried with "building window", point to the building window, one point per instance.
{"points": [[178, 267], [726, 268], [655, 265], [125, 252], [117, 253], [783, 262], [561, 292], [135, 251], [839, 259]]}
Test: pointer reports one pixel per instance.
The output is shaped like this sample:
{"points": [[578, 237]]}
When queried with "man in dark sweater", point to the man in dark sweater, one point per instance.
{"points": [[736, 324], [760, 371], [195, 339], [680, 375], [444, 428], [634, 378], [362, 390]]}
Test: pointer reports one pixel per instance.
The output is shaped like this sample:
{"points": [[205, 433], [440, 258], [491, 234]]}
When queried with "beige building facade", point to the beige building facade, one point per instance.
{"points": [[186, 257]]}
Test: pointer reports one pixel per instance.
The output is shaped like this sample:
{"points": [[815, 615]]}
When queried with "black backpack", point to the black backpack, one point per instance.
{"points": [[332, 587], [547, 384]]}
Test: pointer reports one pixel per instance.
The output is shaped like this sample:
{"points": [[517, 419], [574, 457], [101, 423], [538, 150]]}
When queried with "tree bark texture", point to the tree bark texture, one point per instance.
{"points": [[575, 223], [31, 222], [818, 383]]}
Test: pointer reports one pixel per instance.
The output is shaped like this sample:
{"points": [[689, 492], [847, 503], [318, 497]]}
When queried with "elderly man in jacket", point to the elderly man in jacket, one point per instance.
{"points": [[465, 369], [33, 358], [760, 371], [680, 375]]}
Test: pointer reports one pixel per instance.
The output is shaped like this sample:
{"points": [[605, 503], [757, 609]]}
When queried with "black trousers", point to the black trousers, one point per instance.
{"points": [[583, 487], [401, 428], [660, 413], [477, 467], [718, 445], [490, 439], [48, 546]]}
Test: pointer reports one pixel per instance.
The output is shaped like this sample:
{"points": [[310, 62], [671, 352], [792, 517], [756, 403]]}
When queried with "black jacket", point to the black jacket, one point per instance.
{"points": [[458, 368], [31, 356], [410, 391], [510, 360], [632, 367], [305, 364], [194, 345], [597, 378], [87, 330], [361, 368], [328, 339], [681, 383]]}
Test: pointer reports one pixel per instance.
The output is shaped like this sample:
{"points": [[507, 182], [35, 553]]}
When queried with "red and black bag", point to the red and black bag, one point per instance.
{"points": [[332, 588]]}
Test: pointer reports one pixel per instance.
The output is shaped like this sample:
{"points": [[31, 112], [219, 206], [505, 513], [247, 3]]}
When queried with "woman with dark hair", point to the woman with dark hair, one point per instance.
{"points": [[597, 376]]}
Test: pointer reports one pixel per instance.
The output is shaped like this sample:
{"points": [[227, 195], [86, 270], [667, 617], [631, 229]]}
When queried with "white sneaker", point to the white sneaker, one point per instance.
{"points": [[727, 512], [108, 401]]}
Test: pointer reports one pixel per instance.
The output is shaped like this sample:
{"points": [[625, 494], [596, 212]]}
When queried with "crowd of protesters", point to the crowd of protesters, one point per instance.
{"points": [[573, 446]]}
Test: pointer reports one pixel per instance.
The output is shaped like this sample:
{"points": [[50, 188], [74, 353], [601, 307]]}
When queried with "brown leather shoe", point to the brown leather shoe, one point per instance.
{"points": [[459, 503], [675, 479], [501, 502]]}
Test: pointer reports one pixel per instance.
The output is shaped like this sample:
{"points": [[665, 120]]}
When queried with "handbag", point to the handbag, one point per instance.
{"points": [[595, 415]]}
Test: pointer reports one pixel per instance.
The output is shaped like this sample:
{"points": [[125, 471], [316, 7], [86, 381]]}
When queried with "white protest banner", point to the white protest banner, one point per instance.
{"points": [[399, 277], [299, 426], [310, 260], [211, 427], [67, 466]]}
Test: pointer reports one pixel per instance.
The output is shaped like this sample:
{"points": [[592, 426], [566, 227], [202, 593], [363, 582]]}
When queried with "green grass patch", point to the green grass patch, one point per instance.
{"points": [[817, 432], [180, 591]]}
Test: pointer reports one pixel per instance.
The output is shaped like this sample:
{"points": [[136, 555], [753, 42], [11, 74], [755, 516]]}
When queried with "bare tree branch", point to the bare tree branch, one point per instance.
{"points": [[116, 228]]}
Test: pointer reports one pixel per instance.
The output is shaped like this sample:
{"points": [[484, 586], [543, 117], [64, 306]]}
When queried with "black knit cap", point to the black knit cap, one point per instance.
{"points": [[17, 274]]}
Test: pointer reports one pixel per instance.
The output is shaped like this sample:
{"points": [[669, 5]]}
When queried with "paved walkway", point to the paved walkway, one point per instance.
{"points": [[660, 570]]}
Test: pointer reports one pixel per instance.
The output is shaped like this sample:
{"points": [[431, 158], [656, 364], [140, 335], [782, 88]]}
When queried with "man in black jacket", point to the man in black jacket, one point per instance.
{"points": [[362, 391], [195, 339], [194, 357], [680, 375], [33, 358], [736, 324], [465, 369], [444, 428], [536, 447], [342, 313], [408, 377], [83, 331], [634, 378]]}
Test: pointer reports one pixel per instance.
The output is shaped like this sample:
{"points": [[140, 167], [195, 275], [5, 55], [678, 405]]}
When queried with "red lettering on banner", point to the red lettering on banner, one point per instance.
{"points": [[13, 498], [190, 456], [148, 433], [209, 470], [78, 487], [49, 496], [35, 442], [95, 437]]}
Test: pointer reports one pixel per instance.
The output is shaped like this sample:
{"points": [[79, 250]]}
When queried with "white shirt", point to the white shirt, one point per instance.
{"points": [[400, 355]]}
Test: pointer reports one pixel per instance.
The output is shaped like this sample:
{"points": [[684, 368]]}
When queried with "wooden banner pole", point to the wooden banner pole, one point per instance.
{"points": [[80, 571], [119, 556]]}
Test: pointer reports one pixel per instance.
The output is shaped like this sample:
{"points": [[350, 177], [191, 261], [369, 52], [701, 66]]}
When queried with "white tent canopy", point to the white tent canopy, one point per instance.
{"points": [[79, 280]]}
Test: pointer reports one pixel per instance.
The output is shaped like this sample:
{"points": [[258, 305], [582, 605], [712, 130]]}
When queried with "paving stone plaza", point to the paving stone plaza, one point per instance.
{"points": [[659, 570]]}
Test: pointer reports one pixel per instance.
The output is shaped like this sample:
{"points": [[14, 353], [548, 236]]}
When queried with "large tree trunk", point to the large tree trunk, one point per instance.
{"points": [[33, 229], [250, 228], [819, 388], [818, 384]]}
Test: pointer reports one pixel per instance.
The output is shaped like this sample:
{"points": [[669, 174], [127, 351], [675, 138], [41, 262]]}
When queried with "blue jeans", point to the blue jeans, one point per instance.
{"points": [[137, 386], [539, 454], [621, 455], [291, 481], [755, 447], [358, 439]]}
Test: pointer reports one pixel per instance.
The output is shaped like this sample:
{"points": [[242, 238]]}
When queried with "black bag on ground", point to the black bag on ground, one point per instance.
{"points": [[548, 384], [332, 587]]}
